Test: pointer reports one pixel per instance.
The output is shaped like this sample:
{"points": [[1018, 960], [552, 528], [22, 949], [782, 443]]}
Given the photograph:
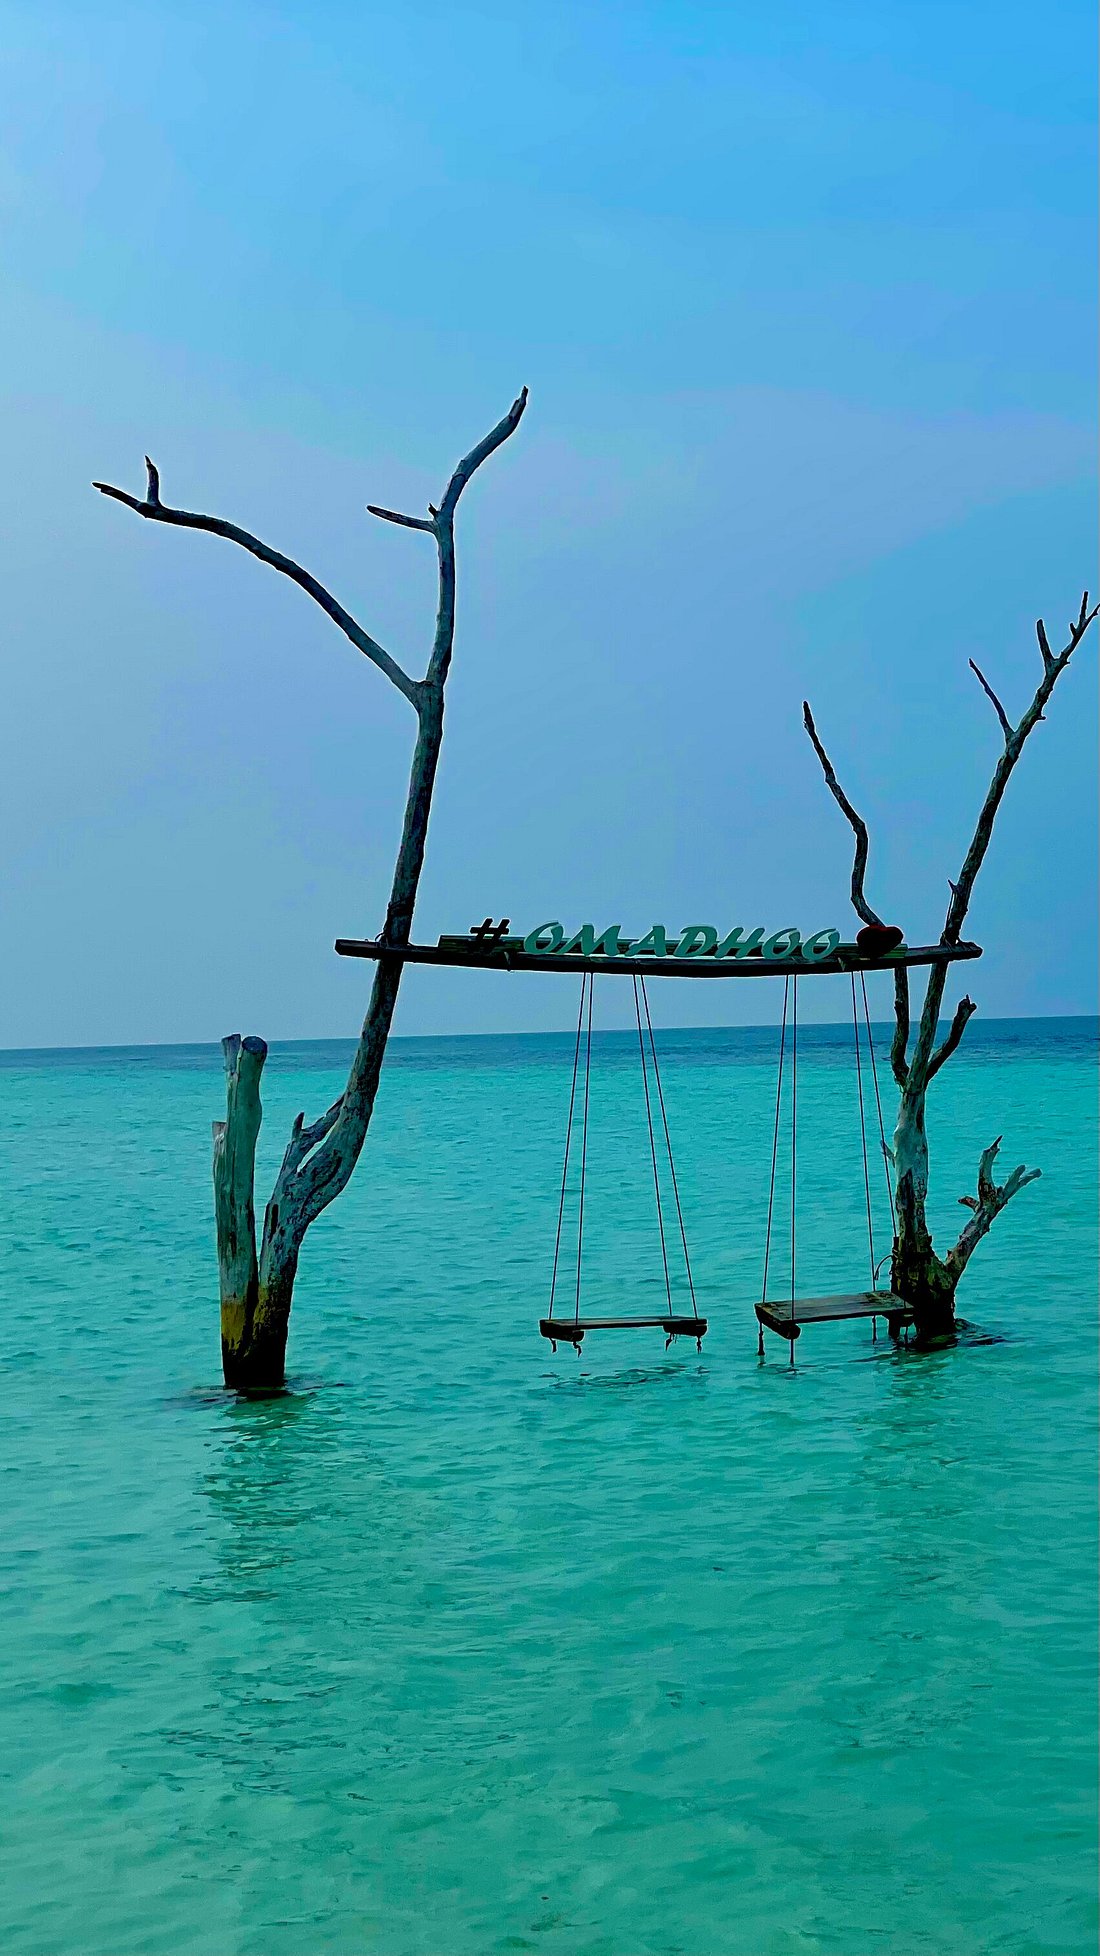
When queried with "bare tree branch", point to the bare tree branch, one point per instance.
{"points": [[218, 527], [899, 1065], [986, 1205], [898, 1062], [1006, 724], [917, 1272], [309, 1185], [859, 866], [506, 426], [443, 523], [964, 1012], [304, 1139], [961, 891], [975, 855], [407, 522], [319, 1159], [469, 464]]}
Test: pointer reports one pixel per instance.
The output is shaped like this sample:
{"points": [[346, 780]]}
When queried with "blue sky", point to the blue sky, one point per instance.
{"points": [[805, 301]]}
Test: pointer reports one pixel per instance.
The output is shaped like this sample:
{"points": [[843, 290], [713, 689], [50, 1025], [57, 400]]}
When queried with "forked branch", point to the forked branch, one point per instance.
{"points": [[304, 1139], [1053, 668], [506, 426], [438, 523], [439, 518], [151, 506], [987, 1204], [257, 1289], [319, 1160], [964, 1012], [962, 889]]}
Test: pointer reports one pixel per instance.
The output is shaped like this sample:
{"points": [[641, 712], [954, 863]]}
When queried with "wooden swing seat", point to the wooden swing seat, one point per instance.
{"points": [[570, 1331], [788, 1317]]}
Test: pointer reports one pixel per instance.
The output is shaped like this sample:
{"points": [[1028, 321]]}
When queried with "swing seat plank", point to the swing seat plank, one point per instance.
{"points": [[570, 1331], [779, 1316]]}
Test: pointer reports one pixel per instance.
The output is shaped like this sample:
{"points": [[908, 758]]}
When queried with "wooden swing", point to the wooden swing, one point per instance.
{"points": [[787, 1316], [877, 947], [570, 1330]]}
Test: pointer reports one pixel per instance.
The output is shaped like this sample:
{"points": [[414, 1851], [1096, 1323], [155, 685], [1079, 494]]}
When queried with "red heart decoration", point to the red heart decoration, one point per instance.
{"points": [[875, 940]]}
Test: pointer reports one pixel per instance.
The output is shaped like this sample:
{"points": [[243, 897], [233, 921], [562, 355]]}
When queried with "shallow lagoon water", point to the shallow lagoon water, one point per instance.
{"points": [[465, 1647]]}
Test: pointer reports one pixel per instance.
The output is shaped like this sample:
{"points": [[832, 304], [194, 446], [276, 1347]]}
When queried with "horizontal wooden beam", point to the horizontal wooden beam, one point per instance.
{"points": [[462, 953]]}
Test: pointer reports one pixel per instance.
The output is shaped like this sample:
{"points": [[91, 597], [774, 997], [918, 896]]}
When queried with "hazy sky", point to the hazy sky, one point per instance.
{"points": [[803, 294]]}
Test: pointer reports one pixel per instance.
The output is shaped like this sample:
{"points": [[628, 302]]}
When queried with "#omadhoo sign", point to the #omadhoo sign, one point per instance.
{"points": [[693, 941]]}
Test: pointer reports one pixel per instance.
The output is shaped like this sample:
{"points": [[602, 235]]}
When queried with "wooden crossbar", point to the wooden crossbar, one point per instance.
{"points": [[509, 955]]}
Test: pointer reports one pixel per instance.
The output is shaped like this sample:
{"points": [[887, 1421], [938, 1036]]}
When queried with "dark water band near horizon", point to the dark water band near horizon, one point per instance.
{"points": [[462, 1646]]}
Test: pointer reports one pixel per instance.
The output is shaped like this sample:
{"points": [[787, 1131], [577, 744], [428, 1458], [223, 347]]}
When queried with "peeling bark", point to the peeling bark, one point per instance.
{"points": [[987, 1205], [257, 1289], [234, 1207]]}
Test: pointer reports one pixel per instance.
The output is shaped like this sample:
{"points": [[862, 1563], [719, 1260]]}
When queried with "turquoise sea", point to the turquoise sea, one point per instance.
{"points": [[464, 1648]]}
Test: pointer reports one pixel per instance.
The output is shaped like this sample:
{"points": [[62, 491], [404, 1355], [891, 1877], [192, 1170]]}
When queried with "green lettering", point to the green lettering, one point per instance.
{"points": [[696, 940], [781, 944], [582, 940], [590, 946], [821, 945], [534, 939], [655, 940], [732, 946]]}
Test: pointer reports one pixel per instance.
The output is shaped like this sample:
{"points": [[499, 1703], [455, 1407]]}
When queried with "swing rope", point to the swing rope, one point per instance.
{"points": [[794, 1146], [886, 1154], [779, 1319], [652, 1145], [863, 1136], [584, 1036], [775, 1148], [584, 1145], [568, 1139], [668, 1146]]}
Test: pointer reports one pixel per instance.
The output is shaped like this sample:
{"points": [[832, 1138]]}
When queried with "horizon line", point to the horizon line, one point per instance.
{"points": [[565, 1032]]}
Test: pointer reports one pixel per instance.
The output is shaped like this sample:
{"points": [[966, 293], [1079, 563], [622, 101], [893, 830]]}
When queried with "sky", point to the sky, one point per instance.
{"points": [[804, 298]]}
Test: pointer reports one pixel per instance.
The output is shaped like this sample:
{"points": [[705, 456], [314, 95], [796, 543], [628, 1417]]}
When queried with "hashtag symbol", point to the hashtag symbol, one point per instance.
{"points": [[488, 932]]}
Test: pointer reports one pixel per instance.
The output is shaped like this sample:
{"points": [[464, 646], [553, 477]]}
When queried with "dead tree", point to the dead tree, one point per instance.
{"points": [[257, 1286], [928, 1281]]}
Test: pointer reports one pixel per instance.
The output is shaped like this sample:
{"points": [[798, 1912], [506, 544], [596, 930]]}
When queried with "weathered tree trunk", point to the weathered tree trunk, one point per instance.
{"points": [[926, 1281], [917, 1273], [234, 1205], [257, 1290], [265, 1366]]}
